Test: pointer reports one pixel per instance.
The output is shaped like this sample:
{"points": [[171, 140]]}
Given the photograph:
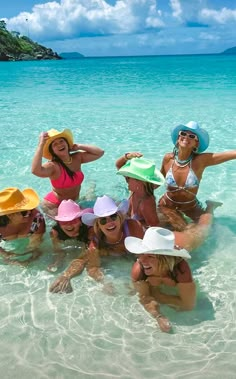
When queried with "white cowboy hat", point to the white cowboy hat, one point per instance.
{"points": [[157, 241], [104, 206]]}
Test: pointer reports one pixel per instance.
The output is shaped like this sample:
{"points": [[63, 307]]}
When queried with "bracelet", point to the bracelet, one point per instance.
{"points": [[126, 156], [159, 316]]}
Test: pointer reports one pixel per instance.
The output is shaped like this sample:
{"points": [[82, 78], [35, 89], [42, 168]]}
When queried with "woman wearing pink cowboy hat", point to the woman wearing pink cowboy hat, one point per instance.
{"points": [[68, 227], [184, 167], [110, 228], [64, 165]]}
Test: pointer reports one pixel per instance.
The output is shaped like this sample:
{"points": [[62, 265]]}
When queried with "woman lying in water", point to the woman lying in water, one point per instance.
{"points": [[162, 261], [21, 225], [110, 230], [110, 227], [68, 229]]}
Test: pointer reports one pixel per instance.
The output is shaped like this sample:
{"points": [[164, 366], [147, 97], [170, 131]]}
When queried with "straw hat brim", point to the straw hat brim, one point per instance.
{"points": [[66, 133], [30, 202], [135, 246]]}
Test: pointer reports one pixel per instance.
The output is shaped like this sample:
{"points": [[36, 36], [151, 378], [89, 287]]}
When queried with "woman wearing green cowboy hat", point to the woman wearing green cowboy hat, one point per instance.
{"points": [[183, 169], [142, 178]]}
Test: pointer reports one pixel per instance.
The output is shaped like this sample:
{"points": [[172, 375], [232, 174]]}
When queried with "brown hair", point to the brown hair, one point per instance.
{"points": [[55, 158]]}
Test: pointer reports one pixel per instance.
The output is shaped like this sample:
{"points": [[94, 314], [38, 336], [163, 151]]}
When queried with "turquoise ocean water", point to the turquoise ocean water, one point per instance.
{"points": [[119, 104]]}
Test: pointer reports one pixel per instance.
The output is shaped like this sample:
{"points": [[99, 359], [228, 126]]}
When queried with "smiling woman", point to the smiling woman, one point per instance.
{"points": [[68, 227], [64, 168], [110, 228], [183, 169]]}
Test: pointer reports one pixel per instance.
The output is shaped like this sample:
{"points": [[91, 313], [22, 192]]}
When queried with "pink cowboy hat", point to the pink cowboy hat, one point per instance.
{"points": [[68, 210]]}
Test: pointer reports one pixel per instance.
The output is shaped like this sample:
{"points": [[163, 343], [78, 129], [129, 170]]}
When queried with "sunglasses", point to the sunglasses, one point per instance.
{"points": [[71, 222], [189, 135], [103, 220]]}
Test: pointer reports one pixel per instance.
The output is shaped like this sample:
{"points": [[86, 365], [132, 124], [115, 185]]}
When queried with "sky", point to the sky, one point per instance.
{"points": [[125, 27]]}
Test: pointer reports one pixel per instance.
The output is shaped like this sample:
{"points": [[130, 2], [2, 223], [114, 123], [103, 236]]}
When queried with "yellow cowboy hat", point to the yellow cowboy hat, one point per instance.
{"points": [[54, 134], [13, 200]]}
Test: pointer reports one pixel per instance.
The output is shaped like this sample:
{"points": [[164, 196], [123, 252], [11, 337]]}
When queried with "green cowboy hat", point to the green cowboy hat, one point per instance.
{"points": [[142, 169]]}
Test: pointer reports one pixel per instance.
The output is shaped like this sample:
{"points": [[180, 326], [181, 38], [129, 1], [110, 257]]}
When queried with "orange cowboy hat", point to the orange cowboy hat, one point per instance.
{"points": [[54, 134], [13, 200]]}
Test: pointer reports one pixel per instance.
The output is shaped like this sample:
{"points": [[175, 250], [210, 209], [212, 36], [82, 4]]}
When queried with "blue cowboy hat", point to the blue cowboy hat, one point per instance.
{"points": [[192, 126]]}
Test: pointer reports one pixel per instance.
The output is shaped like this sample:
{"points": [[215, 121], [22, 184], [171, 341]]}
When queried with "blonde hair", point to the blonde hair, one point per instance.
{"points": [[167, 263]]}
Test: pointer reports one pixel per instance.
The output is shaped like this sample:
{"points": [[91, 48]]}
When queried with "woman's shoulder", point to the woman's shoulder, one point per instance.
{"points": [[183, 272], [168, 157], [135, 228]]}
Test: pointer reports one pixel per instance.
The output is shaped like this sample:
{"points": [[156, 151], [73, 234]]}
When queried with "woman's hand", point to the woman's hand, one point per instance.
{"points": [[43, 137], [164, 323], [61, 285]]}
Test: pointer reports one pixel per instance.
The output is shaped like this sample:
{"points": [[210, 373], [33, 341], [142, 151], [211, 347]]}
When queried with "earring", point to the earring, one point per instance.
{"points": [[195, 150]]}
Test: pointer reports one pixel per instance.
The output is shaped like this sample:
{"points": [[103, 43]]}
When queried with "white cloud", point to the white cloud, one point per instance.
{"points": [[209, 36], [176, 7], [222, 16], [80, 18]]}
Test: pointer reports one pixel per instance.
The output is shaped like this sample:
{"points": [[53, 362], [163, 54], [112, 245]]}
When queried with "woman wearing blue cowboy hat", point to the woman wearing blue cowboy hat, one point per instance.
{"points": [[184, 167]]}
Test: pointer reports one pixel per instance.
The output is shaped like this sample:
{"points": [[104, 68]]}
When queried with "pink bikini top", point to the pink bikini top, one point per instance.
{"points": [[65, 181]]}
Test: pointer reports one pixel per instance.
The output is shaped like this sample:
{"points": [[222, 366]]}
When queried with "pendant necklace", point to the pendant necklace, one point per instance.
{"points": [[68, 162]]}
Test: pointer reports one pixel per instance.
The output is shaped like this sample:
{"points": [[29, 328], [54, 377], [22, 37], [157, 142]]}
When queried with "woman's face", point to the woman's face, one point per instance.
{"points": [[149, 263], [17, 218], [110, 225], [187, 139], [71, 228], [59, 146]]}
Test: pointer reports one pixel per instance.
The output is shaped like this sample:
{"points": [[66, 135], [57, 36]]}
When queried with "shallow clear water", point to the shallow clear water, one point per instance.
{"points": [[120, 104]]}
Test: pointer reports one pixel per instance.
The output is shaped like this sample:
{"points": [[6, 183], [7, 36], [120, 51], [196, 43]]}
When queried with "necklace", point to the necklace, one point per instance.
{"points": [[69, 161], [116, 243], [181, 165]]}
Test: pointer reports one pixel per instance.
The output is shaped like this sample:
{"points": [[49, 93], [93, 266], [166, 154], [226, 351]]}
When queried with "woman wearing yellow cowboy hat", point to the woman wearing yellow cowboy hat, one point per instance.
{"points": [[64, 165], [183, 169], [20, 220]]}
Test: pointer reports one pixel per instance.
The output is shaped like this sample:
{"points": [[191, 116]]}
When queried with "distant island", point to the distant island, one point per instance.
{"points": [[230, 51], [14, 47], [72, 55]]}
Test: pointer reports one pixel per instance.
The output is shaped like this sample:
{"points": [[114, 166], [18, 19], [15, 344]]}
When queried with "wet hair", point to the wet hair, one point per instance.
{"points": [[101, 238], [55, 158], [170, 264], [149, 188]]}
